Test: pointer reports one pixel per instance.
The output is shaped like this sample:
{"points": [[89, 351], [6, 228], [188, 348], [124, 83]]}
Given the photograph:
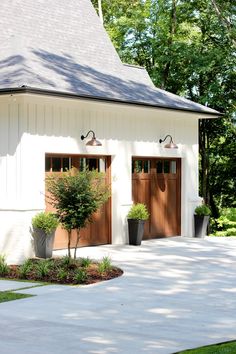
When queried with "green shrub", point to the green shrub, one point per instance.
{"points": [[202, 210], [61, 273], [65, 261], [80, 276], [43, 268], [25, 268], [229, 213], [4, 269], [85, 262], [226, 223], [47, 222], [105, 265], [138, 211], [226, 233]]}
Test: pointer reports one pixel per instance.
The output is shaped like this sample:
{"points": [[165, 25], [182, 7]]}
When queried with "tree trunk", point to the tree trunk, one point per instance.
{"points": [[173, 22], [77, 242], [69, 242]]}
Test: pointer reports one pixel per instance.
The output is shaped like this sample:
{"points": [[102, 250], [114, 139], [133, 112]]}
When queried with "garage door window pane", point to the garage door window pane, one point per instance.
{"points": [[48, 164], [166, 167], [173, 167], [138, 166], [102, 165], [66, 164], [159, 166], [146, 166], [82, 164], [56, 164]]}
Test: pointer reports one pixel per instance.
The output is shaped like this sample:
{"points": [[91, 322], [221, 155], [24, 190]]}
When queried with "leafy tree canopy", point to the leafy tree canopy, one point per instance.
{"points": [[189, 48]]}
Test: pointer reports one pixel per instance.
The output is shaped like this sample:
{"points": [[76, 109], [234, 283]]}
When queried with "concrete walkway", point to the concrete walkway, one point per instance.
{"points": [[175, 294]]}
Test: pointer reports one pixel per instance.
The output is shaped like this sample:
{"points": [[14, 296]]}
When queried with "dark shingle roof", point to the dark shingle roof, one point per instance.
{"points": [[61, 46]]}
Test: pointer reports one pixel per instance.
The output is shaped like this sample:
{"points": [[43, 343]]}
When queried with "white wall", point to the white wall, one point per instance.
{"points": [[31, 126]]}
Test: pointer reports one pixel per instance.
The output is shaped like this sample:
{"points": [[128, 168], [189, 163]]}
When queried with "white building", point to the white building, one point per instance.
{"points": [[60, 77]]}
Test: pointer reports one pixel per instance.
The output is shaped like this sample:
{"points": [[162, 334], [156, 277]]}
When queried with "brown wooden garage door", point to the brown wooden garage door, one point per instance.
{"points": [[156, 182], [99, 231]]}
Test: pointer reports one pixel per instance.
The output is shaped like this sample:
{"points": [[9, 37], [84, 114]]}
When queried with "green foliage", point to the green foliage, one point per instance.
{"points": [[62, 273], [47, 222], [4, 268], [138, 211], [226, 223], [188, 48], [25, 269], [202, 210], [85, 262], [105, 265], [65, 261], [226, 233], [43, 268], [80, 276]]}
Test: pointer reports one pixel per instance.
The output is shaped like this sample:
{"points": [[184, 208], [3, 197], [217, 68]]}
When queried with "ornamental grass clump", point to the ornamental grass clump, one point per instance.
{"points": [[85, 262], [105, 265], [25, 269], [43, 268], [80, 276], [4, 268]]}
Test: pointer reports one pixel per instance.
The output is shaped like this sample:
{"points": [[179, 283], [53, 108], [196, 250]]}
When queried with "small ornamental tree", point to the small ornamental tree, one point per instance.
{"points": [[76, 196]]}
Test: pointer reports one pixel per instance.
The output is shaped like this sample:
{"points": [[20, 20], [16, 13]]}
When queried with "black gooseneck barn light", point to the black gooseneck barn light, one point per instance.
{"points": [[93, 141], [171, 144]]}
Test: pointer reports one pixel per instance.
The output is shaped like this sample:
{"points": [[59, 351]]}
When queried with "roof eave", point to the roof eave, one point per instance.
{"points": [[37, 91]]}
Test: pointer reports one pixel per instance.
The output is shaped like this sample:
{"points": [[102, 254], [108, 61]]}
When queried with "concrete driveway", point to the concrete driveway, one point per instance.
{"points": [[175, 294]]}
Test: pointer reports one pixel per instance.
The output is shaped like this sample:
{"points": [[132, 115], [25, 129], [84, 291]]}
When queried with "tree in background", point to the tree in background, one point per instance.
{"points": [[189, 48]]}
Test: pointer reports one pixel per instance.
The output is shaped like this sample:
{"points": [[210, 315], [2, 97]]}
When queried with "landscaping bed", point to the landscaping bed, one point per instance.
{"points": [[62, 270]]}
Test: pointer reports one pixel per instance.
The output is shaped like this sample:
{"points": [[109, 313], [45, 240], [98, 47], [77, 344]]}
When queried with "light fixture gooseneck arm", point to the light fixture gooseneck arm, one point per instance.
{"points": [[90, 131], [162, 141]]}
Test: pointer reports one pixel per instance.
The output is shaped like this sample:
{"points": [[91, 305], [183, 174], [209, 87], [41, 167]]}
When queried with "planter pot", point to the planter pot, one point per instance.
{"points": [[43, 243], [200, 225], [136, 230]]}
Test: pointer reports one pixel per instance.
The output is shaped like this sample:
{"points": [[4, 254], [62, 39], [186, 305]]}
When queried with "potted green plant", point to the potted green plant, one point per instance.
{"points": [[137, 216], [44, 226], [201, 220]]}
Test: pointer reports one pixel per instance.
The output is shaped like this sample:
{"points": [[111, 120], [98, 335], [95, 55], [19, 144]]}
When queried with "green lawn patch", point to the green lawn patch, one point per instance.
{"points": [[221, 348], [10, 296]]}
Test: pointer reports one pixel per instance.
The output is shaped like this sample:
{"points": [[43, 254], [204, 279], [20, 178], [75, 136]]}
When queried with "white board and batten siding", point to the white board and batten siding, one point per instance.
{"points": [[31, 126]]}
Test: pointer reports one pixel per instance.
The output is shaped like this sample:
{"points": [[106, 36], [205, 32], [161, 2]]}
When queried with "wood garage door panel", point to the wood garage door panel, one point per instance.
{"points": [[158, 213], [99, 231], [170, 209], [159, 189]]}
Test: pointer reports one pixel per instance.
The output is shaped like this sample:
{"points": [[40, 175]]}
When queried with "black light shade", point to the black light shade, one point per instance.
{"points": [[171, 144], [93, 141]]}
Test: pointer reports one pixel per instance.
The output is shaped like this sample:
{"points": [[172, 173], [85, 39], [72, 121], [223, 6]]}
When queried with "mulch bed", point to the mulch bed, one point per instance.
{"points": [[91, 273]]}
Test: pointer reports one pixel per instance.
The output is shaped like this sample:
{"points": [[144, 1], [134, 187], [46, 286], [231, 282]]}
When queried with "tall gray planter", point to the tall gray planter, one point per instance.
{"points": [[200, 225], [136, 230], [43, 243]]}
